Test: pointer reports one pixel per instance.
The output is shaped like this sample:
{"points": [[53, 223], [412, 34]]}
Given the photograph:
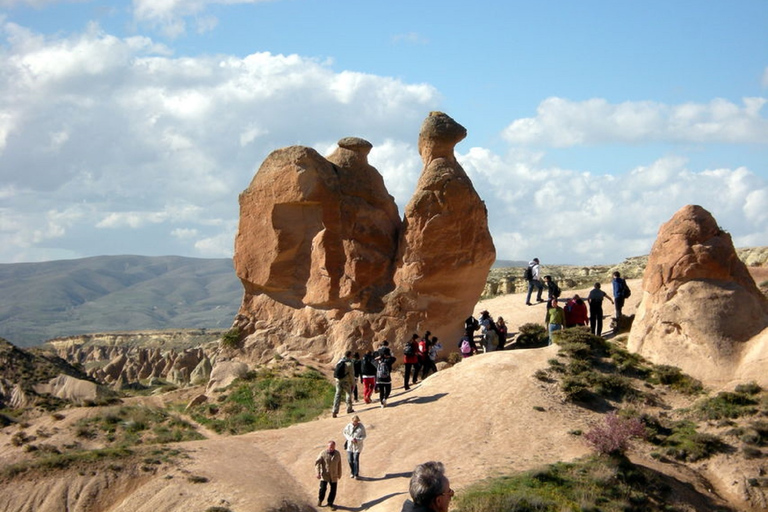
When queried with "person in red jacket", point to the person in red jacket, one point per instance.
{"points": [[576, 312], [411, 360]]}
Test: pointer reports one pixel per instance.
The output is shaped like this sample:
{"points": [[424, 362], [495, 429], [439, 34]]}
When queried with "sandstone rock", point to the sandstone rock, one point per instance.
{"points": [[327, 265], [71, 388], [225, 372], [701, 310], [201, 373], [199, 399]]}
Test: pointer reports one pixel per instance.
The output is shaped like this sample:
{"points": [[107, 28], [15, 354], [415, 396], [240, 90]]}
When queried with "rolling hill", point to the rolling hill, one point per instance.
{"points": [[114, 293]]}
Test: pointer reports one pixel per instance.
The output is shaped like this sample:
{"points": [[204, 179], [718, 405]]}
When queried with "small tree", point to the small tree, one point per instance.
{"points": [[616, 435]]}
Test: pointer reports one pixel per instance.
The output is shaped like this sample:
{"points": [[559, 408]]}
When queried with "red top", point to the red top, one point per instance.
{"points": [[575, 313]]}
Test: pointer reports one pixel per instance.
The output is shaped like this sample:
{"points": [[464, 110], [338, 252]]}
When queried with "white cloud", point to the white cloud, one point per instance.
{"points": [[146, 143], [563, 123], [170, 15]]}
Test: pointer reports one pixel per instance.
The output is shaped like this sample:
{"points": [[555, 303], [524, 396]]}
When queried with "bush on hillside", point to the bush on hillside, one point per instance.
{"points": [[615, 436], [531, 335]]}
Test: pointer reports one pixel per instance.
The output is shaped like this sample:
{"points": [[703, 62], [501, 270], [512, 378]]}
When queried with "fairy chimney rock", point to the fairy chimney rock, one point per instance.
{"points": [[327, 263], [701, 310]]}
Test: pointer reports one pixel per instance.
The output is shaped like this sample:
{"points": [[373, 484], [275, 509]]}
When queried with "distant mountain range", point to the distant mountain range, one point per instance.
{"points": [[115, 293]]}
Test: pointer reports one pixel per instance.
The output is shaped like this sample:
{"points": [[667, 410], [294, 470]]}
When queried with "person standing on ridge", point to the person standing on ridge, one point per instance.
{"points": [[619, 293], [534, 281], [595, 299], [555, 318]]}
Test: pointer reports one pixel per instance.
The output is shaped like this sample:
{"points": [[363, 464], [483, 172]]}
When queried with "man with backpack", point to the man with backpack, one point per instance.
{"points": [[384, 375], [620, 292], [532, 276], [344, 375], [411, 360]]}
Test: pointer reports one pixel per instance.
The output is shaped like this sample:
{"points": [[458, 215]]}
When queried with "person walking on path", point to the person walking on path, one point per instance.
{"points": [[384, 375], [429, 488], [595, 299], [369, 376], [354, 433], [620, 290], [411, 360], [344, 375], [534, 281], [555, 318], [328, 469]]}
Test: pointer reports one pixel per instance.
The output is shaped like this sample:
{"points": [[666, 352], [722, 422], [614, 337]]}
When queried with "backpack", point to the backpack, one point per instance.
{"points": [[466, 348], [382, 371], [555, 289], [341, 369], [408, 349], [627, 292], [528, 273]]}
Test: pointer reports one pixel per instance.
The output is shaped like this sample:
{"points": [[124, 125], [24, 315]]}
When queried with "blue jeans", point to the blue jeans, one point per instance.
{"points": [[354, 463], [553, 328], [531, 284]]}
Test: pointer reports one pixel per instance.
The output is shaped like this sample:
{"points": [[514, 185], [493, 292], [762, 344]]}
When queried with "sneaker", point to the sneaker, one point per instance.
{"points": [[528, 304], [333, 507], [350, 411], [352, 476], [335, 415]]}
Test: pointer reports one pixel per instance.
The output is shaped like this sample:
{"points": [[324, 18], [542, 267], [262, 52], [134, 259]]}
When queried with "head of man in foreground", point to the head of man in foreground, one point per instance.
{"points": [[430, 489]]}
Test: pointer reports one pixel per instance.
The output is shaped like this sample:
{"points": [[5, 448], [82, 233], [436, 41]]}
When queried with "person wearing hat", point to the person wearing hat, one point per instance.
{"points": [[354, 432], [534, 281]]}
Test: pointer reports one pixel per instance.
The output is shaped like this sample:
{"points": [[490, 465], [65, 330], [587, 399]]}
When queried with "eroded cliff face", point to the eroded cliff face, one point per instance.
{"points": [[328, 265], [701, 310]]}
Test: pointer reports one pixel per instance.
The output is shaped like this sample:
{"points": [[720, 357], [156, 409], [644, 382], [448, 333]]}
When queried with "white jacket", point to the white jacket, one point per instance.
{"points": [[354, 433]]}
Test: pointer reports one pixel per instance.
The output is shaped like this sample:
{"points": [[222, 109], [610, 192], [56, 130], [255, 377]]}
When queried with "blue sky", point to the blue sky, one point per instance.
{"points": [[131, 127]]}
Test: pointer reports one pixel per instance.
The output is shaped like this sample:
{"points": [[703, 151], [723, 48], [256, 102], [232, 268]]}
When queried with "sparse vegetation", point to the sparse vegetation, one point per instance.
{"points": [[727, 404], [131, 425], [608, 484], [265, 399], [231, 338]]}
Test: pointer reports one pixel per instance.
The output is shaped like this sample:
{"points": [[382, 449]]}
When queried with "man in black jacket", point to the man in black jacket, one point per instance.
{"points": [[430, 489]]}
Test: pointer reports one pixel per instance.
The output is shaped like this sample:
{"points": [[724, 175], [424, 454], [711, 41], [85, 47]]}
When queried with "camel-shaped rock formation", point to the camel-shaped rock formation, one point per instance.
{"points": [[701, 310], [328, 265]]}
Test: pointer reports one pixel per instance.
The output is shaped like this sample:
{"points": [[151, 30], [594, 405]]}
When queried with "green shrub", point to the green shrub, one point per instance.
{"points": [[231, 338], [674, 377], [750, 388], [531, 335], [685, 443], [726, 404]]}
